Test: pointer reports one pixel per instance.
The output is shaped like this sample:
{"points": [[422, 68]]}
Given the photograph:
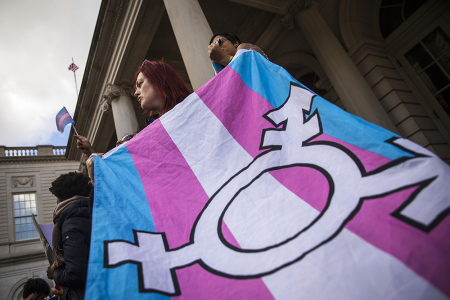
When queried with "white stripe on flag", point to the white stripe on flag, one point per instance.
{"points": [[350, 267], [62, 119]]}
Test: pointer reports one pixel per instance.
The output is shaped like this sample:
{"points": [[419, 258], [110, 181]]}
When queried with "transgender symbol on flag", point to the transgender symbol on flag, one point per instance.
{"points": [[290, 144]]}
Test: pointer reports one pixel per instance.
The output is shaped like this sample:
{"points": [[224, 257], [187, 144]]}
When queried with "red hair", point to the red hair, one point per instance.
{"points": [[165, 81]]}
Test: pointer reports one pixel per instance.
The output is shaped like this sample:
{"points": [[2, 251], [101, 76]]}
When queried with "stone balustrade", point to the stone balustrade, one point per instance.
{"points": [[40, 150]]}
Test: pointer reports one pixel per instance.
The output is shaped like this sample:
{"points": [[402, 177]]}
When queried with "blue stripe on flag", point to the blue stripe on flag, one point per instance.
{"points": [[119, 196], [259, 77], [61, 111]]}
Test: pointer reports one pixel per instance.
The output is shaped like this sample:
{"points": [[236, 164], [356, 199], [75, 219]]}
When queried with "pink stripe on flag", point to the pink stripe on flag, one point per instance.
{"points": [[242, 118], [65, 117], [174, 211], [416, 249], [425, 253], [375, 224]]}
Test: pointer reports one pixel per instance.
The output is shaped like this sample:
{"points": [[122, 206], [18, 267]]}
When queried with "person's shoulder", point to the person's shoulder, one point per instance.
{"points": [[78, 208], [80, 202]]}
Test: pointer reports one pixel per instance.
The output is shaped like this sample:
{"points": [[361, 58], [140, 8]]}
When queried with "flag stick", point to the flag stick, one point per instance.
{"points": [[74, 129], [47, 247], [75, 77]]}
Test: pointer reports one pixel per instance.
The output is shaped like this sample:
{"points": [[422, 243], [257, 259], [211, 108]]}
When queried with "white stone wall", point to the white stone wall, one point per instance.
{"points": [[23, 259]]}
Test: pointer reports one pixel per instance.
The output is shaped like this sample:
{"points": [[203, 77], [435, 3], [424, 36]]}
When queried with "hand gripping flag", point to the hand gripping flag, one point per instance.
{"points": [[63, 118], [256, 188]]}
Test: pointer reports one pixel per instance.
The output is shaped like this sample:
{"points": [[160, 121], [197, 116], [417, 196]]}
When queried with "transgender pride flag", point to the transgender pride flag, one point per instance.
{"points": [[255, 188], [63, 118]]}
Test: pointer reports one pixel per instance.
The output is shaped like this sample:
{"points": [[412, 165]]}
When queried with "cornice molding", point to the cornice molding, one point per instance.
{"points": [[25, 159], [24, 258]]}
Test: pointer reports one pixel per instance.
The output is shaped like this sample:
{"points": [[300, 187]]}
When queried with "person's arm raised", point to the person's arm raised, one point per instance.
{"points": [[84, 145], [252, 47]]}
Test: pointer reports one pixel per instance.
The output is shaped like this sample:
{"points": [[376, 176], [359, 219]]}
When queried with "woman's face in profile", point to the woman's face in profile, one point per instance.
{"points": [[147, 96], [226, 45]]}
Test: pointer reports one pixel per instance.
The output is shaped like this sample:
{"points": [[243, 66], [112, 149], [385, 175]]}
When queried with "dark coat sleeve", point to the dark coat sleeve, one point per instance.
{"points": [[76, 238]]}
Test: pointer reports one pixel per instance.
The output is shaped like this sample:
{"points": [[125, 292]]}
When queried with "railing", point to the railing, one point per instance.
{"points": [[59, 150], [40, 150]]}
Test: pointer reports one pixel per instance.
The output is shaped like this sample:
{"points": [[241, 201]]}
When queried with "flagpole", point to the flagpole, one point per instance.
{"points": [[75, 77]]}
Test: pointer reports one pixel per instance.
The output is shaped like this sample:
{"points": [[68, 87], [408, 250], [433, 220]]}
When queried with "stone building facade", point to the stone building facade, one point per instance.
{"points": [[25, 177], [385, 61]]}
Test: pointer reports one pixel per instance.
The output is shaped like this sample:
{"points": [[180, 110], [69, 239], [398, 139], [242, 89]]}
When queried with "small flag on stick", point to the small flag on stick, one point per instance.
{"points": [[45, 235], [62, 119], [73, 67]]}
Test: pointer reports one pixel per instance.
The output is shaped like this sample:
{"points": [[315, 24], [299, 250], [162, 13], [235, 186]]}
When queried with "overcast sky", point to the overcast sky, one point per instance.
{"points": [[38, 39]]}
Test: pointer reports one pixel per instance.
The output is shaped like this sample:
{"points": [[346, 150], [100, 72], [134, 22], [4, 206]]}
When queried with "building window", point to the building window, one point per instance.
{"points": [[394, 12], [24, 207], [430, 59]]}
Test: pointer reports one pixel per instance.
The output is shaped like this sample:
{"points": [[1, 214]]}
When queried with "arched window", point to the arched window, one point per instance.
{"points": [[394, 12], [16, 291]]}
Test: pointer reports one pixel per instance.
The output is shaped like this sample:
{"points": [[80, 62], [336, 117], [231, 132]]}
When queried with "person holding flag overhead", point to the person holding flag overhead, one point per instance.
{"points": [[223, 47]]}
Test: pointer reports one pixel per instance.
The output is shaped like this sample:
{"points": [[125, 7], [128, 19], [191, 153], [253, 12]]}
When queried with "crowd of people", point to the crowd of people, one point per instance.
{"points": [[158, 89]]}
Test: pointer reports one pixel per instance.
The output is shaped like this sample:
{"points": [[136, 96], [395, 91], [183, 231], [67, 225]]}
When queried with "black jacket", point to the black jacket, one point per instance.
{"points": [[75, 226]]}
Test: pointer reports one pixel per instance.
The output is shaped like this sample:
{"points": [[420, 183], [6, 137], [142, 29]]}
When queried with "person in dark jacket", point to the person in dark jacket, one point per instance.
{"points": [[71, 233]]}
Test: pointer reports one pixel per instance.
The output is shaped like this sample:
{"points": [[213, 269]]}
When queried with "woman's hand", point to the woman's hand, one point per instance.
{"points": [[90, 167], [84, 145], [216, 54], [50, 272], [58, 291]]}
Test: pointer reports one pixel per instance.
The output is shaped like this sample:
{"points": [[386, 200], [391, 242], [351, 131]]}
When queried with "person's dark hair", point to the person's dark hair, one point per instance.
{"points": [[231, 37], [71, 184], [166, 82], [35, 285]]}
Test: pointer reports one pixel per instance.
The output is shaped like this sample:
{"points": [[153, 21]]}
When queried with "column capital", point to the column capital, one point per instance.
{"points": [[112, 92], [288, 19]]}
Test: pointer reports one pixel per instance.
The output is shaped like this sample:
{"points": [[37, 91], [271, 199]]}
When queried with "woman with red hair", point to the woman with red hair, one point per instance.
{"points": [[158, 88]]}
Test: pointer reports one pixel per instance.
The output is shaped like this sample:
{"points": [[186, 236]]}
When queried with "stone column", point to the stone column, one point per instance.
{"points": [[119, 99], [350, 85], [193, 33]]}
